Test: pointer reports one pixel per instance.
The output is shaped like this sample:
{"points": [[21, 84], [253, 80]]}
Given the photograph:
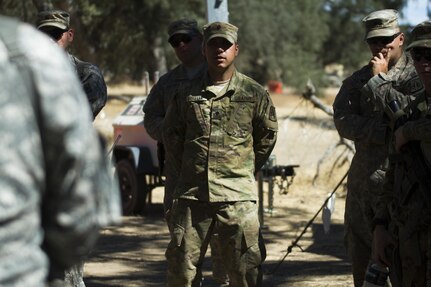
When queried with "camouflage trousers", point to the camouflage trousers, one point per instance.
{"points": [[75, 275], [219, 271], [71, 277], [362, 190], [193, 224], [415, 257], [357, 238]]}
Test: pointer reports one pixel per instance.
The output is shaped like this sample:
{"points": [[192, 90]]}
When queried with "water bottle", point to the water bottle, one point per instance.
{"points": [[376, 275]]}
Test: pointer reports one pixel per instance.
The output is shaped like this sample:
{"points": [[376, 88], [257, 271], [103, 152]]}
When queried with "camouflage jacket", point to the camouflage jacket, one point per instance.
{"points": [[52, 168], [401, 199], [359, 117], [217, 143], [92, 82], [160, 96]]}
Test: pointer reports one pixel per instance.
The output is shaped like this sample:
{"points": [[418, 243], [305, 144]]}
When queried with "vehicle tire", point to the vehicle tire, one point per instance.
{"points": [[132, 187]]}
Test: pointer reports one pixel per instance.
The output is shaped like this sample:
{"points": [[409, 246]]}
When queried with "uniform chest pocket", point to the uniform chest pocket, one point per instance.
{"points": [[241, 117], [197, 118]]}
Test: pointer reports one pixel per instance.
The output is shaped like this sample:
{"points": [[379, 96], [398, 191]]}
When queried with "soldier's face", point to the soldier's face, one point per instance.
{"points": [[385, 44], [422, 61], [66, 39], [187, 48], [220, 53]]}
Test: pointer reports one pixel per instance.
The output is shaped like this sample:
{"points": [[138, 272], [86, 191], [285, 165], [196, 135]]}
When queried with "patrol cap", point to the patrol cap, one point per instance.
{"points": [[183, 26], [220, 29], [53, 18], [381, 23], [421, 35]]}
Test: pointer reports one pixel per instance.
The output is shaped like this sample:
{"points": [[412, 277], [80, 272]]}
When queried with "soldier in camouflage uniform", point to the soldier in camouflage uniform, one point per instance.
{"points": [[56, 24], [359, 119], [218, 134], [56, 190], [186, 39], [405, 202]]}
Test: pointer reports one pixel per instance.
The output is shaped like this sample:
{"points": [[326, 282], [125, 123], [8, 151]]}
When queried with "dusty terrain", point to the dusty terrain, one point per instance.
{"points": [[133, 254]]}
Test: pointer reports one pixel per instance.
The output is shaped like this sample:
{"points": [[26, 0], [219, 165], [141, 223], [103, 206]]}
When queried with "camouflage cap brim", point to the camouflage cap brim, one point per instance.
{"points": [[59, 25], [230, 38], [183, 31], [388, 32], [425, 43]]}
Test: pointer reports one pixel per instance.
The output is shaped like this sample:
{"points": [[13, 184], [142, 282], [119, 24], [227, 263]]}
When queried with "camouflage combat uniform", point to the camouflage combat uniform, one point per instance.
{"points": [[155, 108], [92, 82], [402, 202], [95, 89], [357, 117], [216, 143], [56, 188], [405, 202]]}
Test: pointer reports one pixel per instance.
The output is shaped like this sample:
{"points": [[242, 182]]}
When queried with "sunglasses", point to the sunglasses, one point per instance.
{"points": [[418, 54], [382, 40], [54, 33], [176, 40]]}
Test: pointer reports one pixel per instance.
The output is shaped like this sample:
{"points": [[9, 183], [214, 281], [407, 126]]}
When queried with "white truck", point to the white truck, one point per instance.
{"points": [[135, 158]]}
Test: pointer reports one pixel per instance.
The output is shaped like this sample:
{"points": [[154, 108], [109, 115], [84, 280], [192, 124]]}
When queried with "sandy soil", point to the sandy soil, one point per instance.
{"points": [[133, 254]]}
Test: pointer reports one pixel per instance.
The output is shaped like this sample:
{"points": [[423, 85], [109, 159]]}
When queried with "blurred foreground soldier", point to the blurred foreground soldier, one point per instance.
{"points": [[359, 119], [217, 135], [56, 190], [186, 40], [406, 203], [56, 24]]}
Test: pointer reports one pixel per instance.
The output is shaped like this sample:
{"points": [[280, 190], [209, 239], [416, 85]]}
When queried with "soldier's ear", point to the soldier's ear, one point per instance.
{"points": [[236, 49], [402, 38]]}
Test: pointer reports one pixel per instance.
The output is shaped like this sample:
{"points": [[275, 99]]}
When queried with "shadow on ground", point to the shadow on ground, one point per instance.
{"points": [[133, 254]]}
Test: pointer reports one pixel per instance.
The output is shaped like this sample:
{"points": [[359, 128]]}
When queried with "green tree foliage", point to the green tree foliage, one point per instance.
{"points": [[286, 40], [280, 39]]}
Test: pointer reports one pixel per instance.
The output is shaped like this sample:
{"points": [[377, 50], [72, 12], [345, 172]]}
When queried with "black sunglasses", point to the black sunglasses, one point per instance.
{"points": [[382, 40], [53, 32], [176, 40], [420, 53]]}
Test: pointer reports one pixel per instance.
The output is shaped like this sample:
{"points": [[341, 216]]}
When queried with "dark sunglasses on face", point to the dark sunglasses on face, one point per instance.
{"points": [[419, 53], [382, 40], [54, 33], [176, 40]]}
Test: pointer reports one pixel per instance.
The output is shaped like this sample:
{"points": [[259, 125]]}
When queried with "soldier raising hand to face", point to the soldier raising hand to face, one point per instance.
{"points": [[359, 116], [386, 50]]}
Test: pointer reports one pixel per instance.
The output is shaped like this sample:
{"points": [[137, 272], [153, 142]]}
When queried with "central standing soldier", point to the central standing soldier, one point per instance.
{"points": [[217, 135]]}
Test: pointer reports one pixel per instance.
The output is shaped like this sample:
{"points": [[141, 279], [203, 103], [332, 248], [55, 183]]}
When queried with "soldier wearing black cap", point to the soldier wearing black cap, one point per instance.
{"points": [[405, 203], [359, 116], [56, 24], [217, 135]]}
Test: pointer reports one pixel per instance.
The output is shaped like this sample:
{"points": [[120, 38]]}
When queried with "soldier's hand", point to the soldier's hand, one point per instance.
{"points": [[382, 240], [400, 139], [380, 63]]}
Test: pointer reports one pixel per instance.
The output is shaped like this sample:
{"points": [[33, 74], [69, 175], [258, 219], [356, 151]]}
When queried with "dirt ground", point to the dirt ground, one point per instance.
{"points": [[132, 254]]}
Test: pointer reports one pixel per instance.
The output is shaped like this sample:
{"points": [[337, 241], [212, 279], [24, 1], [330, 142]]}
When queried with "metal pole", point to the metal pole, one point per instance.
{"points": [[270, 194], [217, 10]]}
